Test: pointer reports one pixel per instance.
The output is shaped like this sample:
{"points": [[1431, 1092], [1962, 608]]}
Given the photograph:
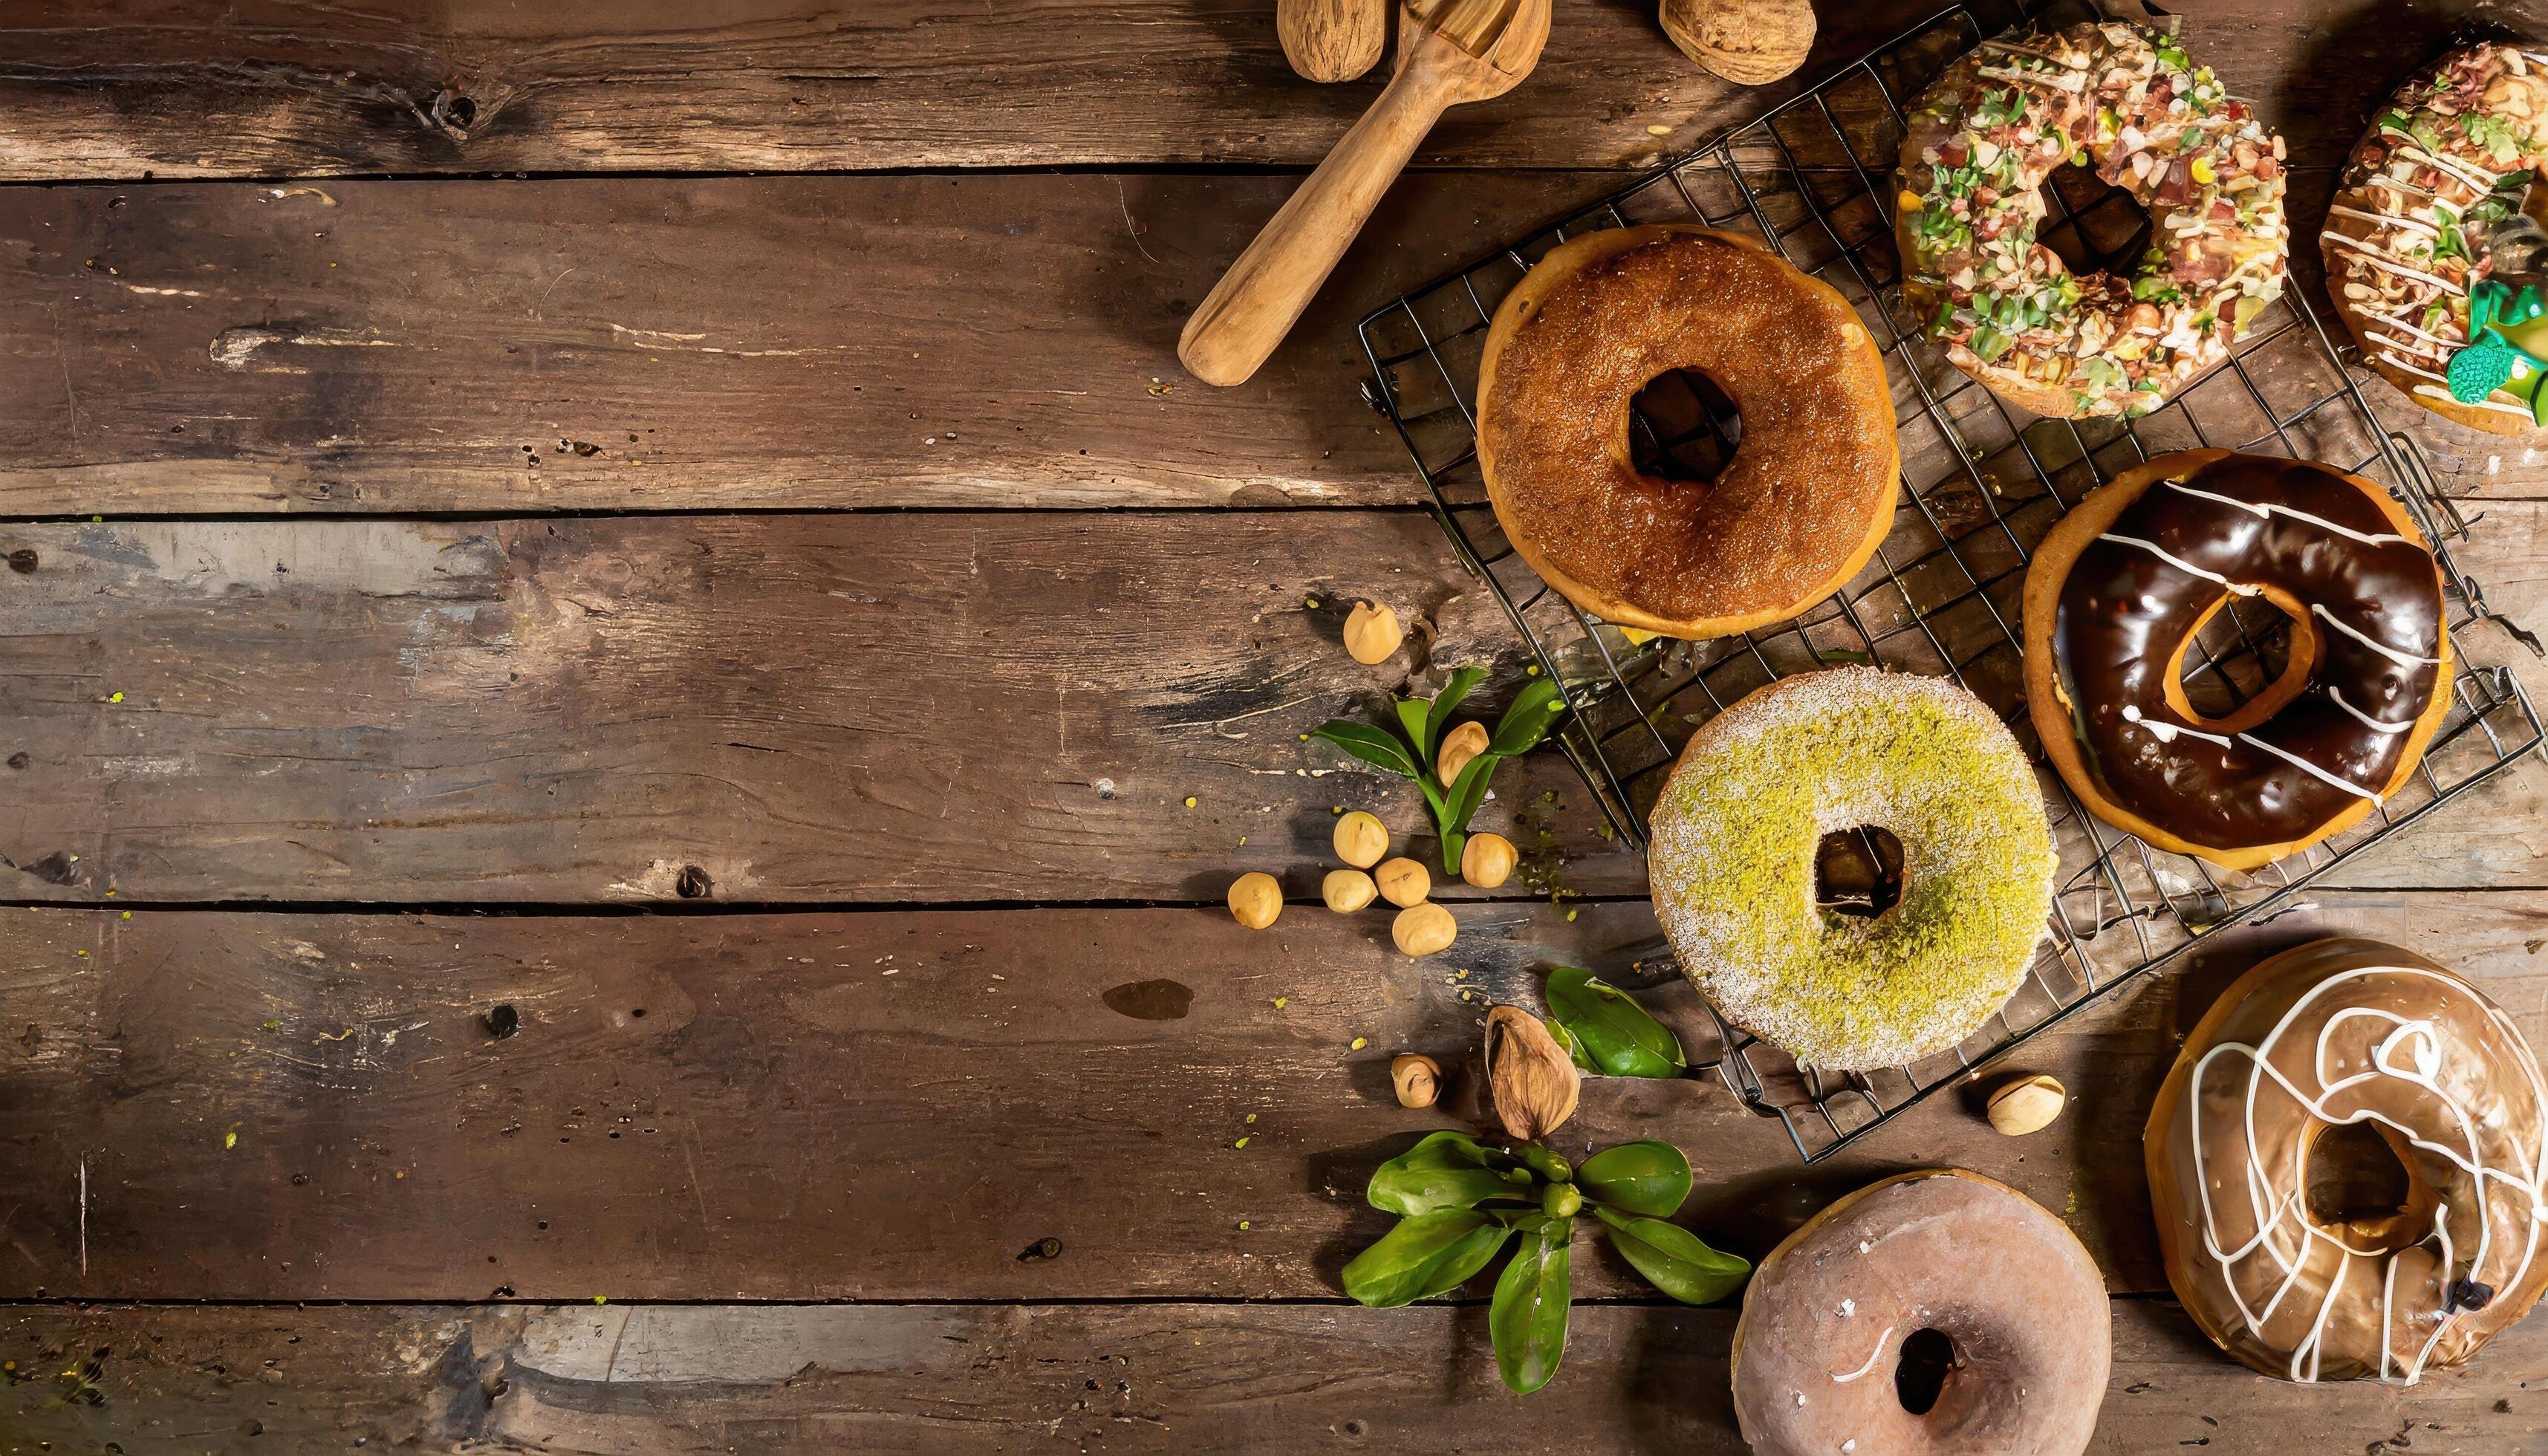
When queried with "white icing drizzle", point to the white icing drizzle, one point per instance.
{"points": [[2402, 659], [2385, 219], [2390, 358], [1881, 1344], [2270, 1206], [2376, 725], [2170, 732], [2398, 323], [2178, 562], [2458, 171], [2440, 352], [2261, 511], [2378, 259]]}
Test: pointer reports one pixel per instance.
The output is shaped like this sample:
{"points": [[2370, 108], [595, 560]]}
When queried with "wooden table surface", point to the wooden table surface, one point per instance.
{"points": [[695, 532]]}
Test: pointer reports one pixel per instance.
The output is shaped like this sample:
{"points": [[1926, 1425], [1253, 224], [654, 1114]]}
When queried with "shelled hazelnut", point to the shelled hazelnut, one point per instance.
{"points": [[1361, 839], [1425, 930], [1255, 899], [1371, 633], [1459, 746], [1417, 1078], [1487, 860], [1347, 890], [1403, 881]]}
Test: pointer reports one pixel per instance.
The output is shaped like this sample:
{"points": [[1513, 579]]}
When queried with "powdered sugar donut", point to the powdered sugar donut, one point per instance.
{"points": [[1740, 821]]}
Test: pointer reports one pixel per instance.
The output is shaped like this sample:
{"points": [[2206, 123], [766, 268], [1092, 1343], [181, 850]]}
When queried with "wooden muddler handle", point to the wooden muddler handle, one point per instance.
{"points": [[1263, 294]]}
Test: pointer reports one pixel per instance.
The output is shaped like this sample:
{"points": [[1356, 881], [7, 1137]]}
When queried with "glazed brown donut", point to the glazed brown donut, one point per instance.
{"points": [[2127, 580], [1829, 1311], [2351, 1032], [1808, 494]]}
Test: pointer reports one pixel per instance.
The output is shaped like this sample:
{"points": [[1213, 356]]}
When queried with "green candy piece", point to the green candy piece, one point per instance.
{"points": [[2479, 369], [2525, 307], [2539, 403], [2485, 298]]}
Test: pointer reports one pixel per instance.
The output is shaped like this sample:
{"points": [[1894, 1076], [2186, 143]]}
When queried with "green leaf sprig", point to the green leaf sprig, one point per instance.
{"points": [[1606, 1032], [1410, 750], [1460, 1201]]}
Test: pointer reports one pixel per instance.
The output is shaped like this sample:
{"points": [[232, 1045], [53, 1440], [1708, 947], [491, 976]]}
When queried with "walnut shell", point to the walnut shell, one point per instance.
{"points": [[1332, 39], [1749, 43]]}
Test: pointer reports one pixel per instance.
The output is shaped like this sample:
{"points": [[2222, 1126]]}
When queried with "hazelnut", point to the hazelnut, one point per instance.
{"points": [[1371, 633], [1403, 881], [1361, 839], [1533, 1081], [1749, 43], [1255, 899], [1459, 746], [1423, 930], [1417, 1078], [2024, 1105], [1487, 860], [1347, 890]]}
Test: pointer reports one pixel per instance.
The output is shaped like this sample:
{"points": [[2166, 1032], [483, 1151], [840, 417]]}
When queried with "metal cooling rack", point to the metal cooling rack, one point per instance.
{"points": [[1943, 595]]}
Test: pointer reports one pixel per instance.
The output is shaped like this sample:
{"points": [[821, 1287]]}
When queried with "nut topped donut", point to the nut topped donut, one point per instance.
{"points": [[1945, 1257], [2126, 582], [2409, 239], [1808, 494], [1981, 143], [2285, 1237], [1736, 834]]}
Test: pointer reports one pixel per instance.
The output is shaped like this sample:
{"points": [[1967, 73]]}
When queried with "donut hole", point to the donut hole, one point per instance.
{"points": [[1682, 426], [1857, 871], [2245, 660], [1920, 1376], [2093, 225], [2359, 1186]]}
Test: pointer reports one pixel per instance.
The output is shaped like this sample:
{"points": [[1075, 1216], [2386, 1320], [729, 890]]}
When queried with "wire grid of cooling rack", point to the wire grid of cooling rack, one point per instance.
{"points": [[1981, 488]]}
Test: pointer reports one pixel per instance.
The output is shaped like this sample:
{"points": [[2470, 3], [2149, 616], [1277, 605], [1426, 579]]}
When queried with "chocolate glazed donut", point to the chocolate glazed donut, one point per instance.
{"points": [[2122, 586]]}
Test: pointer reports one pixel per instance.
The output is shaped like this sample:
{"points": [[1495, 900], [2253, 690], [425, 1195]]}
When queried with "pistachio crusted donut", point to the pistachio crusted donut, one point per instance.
{"points": [[1831, 1312], [1803, 504], [1978, 148], [1740, 823]]}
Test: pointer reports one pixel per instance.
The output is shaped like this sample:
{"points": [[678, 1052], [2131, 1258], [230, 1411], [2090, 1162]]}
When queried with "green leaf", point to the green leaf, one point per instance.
{"points": [[1527, 721], [1446, 1170], [1374, 745], [1673, 1260], [1566, 1038], [1463, 683], [1470, 789], [1415, 715], [1413, 1259], [1614, 1031], [1527, 1320], [1650, 1178]]}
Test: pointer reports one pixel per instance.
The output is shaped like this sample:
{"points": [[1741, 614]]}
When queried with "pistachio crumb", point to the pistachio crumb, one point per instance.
{"points": [[1360, 1042]]}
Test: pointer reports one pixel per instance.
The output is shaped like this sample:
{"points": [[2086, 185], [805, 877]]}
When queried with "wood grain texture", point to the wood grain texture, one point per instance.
{"points": [[868, 341], [900, 707], [1275, 1378], [122, 88], [900, 1105]]}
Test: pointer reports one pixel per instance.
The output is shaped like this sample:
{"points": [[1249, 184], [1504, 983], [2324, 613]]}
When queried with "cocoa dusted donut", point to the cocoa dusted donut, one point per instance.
{"points": [[2314, 1069], [1979, 147], [2020, 1305], [1808, 494], [2119, 591]]}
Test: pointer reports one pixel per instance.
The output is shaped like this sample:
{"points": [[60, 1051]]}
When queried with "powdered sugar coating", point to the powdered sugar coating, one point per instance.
{"points": [[1734, 841]]}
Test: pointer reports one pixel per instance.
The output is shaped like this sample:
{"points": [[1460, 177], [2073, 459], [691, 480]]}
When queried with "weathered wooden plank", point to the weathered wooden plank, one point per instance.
{"points": [[949, 708], [128, 89], [868, 341], [898, 1105], [1172, 1377]]}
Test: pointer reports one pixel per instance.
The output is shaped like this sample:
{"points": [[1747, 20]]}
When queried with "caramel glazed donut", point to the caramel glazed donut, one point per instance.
{"points": [[1799, 509], [1828, 1313], [2414, 218], [2123, 583], [2352, 1033], [1977, 151]]}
